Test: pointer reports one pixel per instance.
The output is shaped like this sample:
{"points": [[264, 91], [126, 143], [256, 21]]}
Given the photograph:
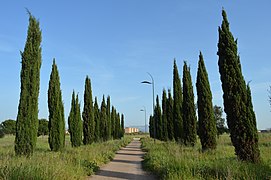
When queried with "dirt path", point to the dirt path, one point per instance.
{"points": [[125, 165]]}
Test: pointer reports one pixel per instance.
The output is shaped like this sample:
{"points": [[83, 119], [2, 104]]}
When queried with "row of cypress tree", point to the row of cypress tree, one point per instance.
{"points": [[97, 125], [177, 120]]}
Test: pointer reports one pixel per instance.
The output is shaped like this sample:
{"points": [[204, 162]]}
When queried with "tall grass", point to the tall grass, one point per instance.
{"points": [[172, 161], [71, 163]]}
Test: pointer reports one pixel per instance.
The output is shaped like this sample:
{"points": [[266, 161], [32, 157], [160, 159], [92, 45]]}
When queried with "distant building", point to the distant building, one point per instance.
{"points": [[131, 130]]}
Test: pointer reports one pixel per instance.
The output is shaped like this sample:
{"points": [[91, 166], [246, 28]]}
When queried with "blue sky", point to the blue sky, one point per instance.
{"points": [[117, 42]]}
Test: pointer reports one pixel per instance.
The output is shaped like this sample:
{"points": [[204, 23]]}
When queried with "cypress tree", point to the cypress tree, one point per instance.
{"points": [[27, 118], [177, 104], [237, 99], [108, 114], [122, 125], [170, 122], [151, 127], [75, 122], [88, 114], [117, 126], [189, 111], [207, 123], [103, 120], [113, 120], [97, 123], [56, 124], [158, 120], [164, 116]]}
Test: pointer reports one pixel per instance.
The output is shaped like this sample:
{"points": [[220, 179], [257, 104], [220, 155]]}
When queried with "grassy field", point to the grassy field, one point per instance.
{"points": [[71, 163], [172, 161]]}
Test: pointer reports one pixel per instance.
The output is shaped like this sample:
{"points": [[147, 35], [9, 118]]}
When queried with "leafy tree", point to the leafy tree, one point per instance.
{"points": [[164, 116], [207, 123], [189, 111], [97, 123], [103, 120], [27, 118], [237, 97], [9, 126], [151, 127], [75, 122], [177, 104], [220, 121], [2, 134], [88, 114], [56, 125], [43, 127], [170, 127]]}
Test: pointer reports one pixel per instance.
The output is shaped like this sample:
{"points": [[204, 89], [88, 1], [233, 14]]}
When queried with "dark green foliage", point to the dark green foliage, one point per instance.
{"points": [[97, 123], [43, 127], [88, 114], [158, 120], [103, 120], [237, 98], [2, 134], [113, 120], [177, 105], [220, 122], [117, 127], [56, 124], [9, 126], [75, 122], [164, 116], [207, 123], [108, 115], [122, 125], [189, 111], [27, 118], [151, 127], [170, 123]]}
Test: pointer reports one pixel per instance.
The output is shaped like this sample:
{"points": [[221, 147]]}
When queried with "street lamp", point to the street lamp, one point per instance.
{"points": [[152, 83], [145, 118]]}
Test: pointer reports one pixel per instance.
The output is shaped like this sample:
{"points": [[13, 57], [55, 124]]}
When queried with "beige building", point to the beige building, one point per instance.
{"points": [[131, 130]]}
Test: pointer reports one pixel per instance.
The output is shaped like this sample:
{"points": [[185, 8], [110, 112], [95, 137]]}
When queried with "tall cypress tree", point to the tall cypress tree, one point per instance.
{"points": [[158, 120], [177, 104], [97, 123], [75, 122], [103, 120], [151, 127], [207, 123], [113, 120], [170, 127], [108, 115], [122, 125], [164, 116], [189, 111], [56, 112], [117, 126], [27, 118], [88, 114], [237, 98]]}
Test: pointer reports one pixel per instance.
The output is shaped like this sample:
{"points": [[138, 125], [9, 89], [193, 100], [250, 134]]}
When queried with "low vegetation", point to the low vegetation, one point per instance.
{"points": [[170, 160], [71, 163]]}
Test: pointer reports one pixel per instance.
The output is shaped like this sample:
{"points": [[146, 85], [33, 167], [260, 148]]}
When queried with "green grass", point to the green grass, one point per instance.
{"points": [[71, 163], [170, 160]]}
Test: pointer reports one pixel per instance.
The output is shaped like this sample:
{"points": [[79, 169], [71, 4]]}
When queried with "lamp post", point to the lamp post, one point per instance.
{"points": [[145, 118], [152, 83]]}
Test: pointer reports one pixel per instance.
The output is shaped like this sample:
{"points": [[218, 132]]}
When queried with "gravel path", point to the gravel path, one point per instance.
{"points": [[125, 165]]}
